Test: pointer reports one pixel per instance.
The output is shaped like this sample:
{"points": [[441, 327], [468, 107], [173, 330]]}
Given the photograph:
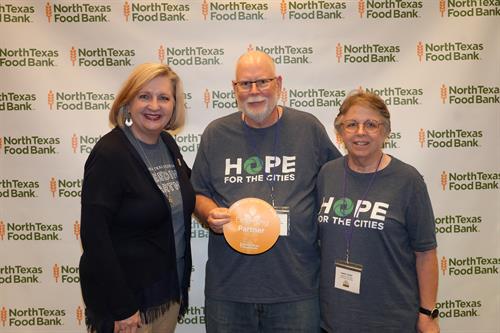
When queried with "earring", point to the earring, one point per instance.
{"points": [[128, 120]]}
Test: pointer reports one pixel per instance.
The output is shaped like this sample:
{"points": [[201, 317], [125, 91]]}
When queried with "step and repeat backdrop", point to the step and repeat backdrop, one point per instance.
{"points": [[436, 63]]}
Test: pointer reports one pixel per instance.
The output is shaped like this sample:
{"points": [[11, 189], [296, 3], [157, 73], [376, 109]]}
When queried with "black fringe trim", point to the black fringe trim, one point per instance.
{"points": [[98, 325], [152, 313], [106, 325]]}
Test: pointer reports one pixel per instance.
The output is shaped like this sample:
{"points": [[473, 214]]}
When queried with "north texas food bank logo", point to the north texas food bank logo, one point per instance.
{"points": [[190, 55], [3, 315], [79, 101], [444, 265], [155, 11], [361, 8], [283, 8], [477, 265], [338, 52], [76, 12], [470, 181], [161, 54], [72, 55], [216, 99], [443, 93], [50, 98], [53, 186], [283, 96], [65, 274], [469, 8], [367, 53], [444, 180], [39, 316], [421, 137], [219, 100], [206, 98], [470, 94], [233, 10], [450, 138], [2, 230], [442, 7], [83, 144], [101, 57], [76, 229], [449, 51], [79, 315], [204, 9], [64, 188], [48, 11], [399, 9], [312, 10], [420, 51]]}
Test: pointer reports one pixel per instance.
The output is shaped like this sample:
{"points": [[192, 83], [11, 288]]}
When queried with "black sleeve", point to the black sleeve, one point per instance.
{"points": [[101, 195]]}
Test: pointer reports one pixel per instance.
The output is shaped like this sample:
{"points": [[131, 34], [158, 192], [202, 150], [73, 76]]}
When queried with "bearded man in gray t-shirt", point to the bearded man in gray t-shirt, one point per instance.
{"points": [[273, 153]]}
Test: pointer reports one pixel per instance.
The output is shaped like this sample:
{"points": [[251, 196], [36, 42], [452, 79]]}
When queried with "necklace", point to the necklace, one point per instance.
{"points": [[358, 167], [154, 172], [348, 233]]}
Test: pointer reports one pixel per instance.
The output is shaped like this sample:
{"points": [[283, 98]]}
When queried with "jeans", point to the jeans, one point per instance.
{"points": [[231, 317]]}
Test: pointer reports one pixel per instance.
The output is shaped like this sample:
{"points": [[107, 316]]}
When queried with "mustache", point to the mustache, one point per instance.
{"points": [[253, 99]]}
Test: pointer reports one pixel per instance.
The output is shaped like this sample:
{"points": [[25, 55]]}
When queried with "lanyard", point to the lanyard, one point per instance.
{"points": [[349, 231], [251, 140]]}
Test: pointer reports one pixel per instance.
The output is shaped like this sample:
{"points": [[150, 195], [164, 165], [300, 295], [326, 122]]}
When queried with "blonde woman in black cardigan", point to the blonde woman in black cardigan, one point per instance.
{"points": [[137, 202]]}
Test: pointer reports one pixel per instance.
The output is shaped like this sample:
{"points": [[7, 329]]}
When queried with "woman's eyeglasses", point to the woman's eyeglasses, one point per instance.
{"points": [[370, 126]]}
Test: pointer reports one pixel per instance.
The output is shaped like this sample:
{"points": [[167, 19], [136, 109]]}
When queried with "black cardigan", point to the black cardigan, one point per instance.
{"points": [[126, 229]]}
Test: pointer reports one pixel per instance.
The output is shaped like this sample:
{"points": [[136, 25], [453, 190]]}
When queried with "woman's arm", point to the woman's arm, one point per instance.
{"points": [[427, 274]]}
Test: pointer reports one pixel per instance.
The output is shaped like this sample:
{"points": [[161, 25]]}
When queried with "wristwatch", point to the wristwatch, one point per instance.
{"points": [[434, 313]]}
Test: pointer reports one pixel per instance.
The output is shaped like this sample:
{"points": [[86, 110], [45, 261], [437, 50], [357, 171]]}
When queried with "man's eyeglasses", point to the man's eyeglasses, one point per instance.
{"points": [[262, 84], [370, 126]]}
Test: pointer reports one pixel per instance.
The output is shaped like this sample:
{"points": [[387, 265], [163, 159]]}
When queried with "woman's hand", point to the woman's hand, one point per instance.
{"points": [[426, 324], [128, 325]]}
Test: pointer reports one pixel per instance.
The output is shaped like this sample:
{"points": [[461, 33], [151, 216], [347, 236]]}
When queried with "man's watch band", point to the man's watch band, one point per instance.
{"points": [[434, 313]]}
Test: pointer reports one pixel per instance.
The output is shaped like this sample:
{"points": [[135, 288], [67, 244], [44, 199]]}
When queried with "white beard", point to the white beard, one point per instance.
{"points": [[257, 116]]}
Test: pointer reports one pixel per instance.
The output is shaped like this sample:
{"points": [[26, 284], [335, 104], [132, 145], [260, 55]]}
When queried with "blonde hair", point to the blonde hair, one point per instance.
{"points": [[139, 77]]}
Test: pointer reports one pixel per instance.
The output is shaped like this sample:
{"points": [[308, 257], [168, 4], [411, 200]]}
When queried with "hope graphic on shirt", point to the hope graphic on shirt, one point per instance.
{"points": [[254, 169], [363, 214]]}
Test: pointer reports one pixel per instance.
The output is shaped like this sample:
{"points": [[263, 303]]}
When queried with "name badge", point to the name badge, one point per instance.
{"points": [[348, 276], [284, 216]]}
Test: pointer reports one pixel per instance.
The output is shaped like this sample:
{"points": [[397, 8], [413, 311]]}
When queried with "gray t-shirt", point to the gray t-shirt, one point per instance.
{"points": [[395, 220], [161, 166], [228, 168]]}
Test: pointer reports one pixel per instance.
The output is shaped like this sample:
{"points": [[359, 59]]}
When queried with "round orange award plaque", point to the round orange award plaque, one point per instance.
{"points": [[254, 226]]}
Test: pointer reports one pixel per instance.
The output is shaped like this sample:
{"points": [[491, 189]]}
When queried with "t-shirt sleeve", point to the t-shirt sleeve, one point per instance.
{"points": [[328, 151], [200, 175], [320, 183], [420, 217]]}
